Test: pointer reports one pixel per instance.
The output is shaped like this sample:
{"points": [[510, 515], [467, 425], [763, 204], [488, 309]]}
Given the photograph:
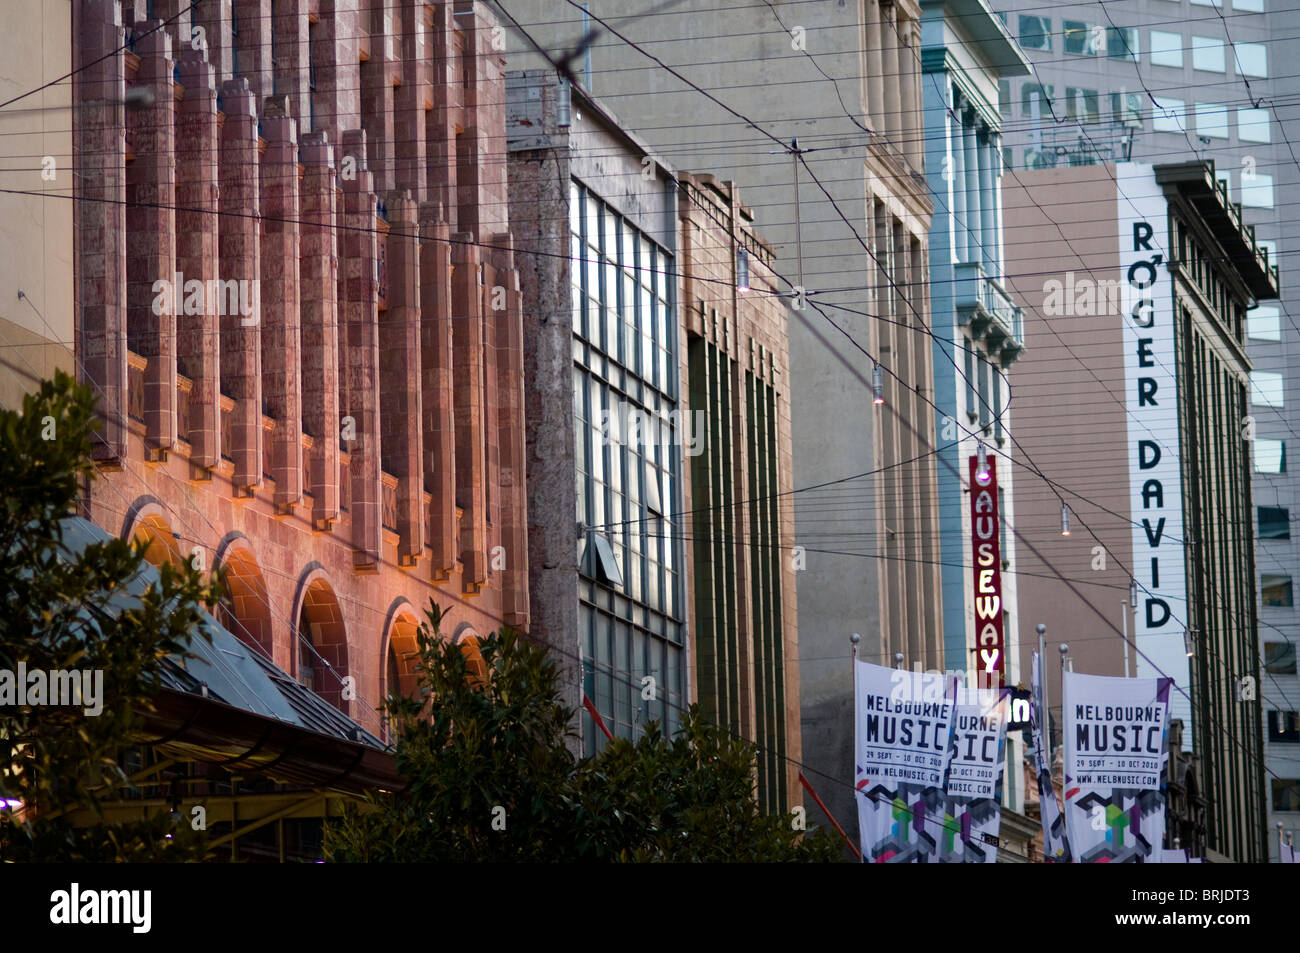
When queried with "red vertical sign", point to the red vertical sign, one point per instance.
{"points": [[986, 536]]}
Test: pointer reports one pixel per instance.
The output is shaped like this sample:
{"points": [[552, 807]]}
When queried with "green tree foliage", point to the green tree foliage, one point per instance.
{"points": [[76, 611], [490, 778]]}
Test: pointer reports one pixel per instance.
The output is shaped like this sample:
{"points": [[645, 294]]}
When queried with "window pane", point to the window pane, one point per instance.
{"points": [[1212, 120], [1275, 590], [1122, 43], [1207, 54], [1286, 794], [1166, 49], [1256, 190], [1036, 33], [1266, 388], [1169, 116], [1248, 6], [1274, 522], [1279, 658], [1264, 323], [1252, 125], [1126, 108], [1083, 38], [1035, 99], [1270, 456], [1252, 59]]}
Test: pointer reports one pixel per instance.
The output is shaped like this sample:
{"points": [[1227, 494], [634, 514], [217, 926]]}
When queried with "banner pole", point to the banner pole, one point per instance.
{"points": [[854, 639]]}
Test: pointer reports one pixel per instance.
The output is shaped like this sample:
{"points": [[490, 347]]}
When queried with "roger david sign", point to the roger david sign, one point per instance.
{"points": [[985, 530], [1151, 399]]}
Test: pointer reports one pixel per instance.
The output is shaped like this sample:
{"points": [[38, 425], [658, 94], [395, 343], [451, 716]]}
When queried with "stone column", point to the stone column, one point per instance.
{"points": [[957, 176], [399, 393], [873, 71], [467, 365], [151, 237], [970, 147], [988, 230], [512, 476], [320, 348], [893, 108], [214, 18], [377, 75], [241, 352], [292, 62], [100, 184], [908, 67], [253, 18], [437, 394], [412, 174], [198, 336], [448, 93], [281, 306], [996, 198], [359, 357]]}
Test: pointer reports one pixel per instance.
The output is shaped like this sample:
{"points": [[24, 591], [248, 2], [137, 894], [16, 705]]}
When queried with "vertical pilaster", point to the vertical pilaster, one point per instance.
{"points": [[970, 147], [875, 72], [255, 45], [198, 336], [399, 395], [320, 344], [467, 375], [213, 18], [100, 155], [511, 481], [238, 284], [151, 238], [291, 63], [359, 357], [987, 222], [889, 73], [440, 133], [411, 99], [437, 403], [377, 76], [957, 182], [281, 306]]}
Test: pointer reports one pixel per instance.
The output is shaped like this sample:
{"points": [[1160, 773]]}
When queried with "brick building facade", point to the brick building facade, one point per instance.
{"points": [[738, 515], [330, 404]]}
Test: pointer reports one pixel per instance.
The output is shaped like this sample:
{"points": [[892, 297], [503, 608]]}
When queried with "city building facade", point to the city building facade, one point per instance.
{"points": [[1164, 81], [598, 258], [738, 518], [295, 296], [1143, 425], [834, 169]]}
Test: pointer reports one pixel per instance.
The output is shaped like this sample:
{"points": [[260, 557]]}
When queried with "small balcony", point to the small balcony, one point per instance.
{"points": [[993, 318]]}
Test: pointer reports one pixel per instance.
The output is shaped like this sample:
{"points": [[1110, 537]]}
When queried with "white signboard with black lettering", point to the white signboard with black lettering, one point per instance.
{"points": [[1151, 399]]}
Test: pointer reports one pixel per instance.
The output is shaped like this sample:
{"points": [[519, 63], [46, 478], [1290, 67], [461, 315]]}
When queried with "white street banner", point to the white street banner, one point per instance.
{"points": [[972, 809], [1056, 847], [902, 726], [1116, 750]]}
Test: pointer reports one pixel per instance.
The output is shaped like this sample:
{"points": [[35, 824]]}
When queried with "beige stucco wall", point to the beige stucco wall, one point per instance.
{"points": [[36, 228]]}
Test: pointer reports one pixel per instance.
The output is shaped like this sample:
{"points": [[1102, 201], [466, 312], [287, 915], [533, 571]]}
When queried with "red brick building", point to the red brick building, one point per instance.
{"points": [[295, 288]]}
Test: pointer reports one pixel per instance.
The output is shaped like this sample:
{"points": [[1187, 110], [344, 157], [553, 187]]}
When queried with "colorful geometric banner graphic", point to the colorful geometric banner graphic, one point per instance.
{"points": [[1116, 751], [902, 727], [972, 808], [1056, 846]]}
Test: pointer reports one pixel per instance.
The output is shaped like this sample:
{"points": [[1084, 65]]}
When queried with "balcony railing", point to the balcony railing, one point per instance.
{"points": [[985, 305]]}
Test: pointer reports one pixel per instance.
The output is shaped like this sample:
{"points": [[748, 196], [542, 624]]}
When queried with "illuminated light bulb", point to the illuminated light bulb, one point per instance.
{"points": [[878, 384], [1065, 520], [982, 474]]}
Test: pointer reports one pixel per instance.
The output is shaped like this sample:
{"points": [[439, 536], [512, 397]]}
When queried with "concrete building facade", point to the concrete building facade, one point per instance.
{"points": [[845, 82], [295, 293], [1143, 425], [598, 258]]}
